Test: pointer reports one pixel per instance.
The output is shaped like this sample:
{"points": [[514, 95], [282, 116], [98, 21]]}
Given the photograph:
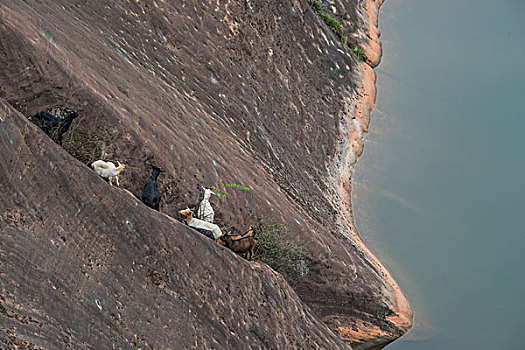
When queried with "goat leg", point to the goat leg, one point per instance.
{"points": [[251, 251]]}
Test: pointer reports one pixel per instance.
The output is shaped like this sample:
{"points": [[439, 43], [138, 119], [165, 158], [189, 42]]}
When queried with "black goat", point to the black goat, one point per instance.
{"points": [[150, 194], [205, 232], [55, 126]]}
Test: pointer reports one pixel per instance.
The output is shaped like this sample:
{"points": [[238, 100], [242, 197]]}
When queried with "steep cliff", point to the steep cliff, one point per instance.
{"points": [[256, 93]]}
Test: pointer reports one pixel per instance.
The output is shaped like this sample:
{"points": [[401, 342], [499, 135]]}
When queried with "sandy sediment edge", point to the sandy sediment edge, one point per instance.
{"points": [[364, 104], [363, 108]]}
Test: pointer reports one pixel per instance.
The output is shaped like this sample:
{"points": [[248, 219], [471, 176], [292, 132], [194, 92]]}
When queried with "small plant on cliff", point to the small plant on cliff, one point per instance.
{"points": [[83, 144], [221, 192], [316, 6], [360, 54], [333, 23], [276, 248], [240, 187]]}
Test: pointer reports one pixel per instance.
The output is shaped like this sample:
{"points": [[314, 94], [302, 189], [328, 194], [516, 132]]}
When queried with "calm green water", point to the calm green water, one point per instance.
{"points": [[439, 193]]}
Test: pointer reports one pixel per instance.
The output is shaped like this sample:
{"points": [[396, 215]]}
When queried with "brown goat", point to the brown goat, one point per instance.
{"points": [[250, 232], [244, 244]]}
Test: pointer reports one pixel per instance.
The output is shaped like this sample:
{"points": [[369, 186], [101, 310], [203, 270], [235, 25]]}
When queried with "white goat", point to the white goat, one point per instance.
{"points": [[196, 223], [108, 170], [205, 211]]}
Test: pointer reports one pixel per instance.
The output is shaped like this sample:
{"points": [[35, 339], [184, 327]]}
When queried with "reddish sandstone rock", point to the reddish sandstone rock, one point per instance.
{"points": [[255, 93]]}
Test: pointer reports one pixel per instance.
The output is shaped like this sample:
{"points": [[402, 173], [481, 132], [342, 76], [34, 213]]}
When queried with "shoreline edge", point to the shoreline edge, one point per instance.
{"points": [[361, 112]]}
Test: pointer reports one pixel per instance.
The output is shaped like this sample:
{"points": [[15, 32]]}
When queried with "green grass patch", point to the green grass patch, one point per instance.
{"points": [[316, 6], [333, 23], [360, 54]]}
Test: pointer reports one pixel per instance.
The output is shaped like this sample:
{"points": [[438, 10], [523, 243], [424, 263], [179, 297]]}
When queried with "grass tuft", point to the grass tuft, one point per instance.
{"points": [[333, 23], [316, 6], [360, 54]]}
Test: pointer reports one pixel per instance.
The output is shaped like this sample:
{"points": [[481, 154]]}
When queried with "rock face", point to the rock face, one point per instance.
{"points": [[85, 266], [254, 93]]}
